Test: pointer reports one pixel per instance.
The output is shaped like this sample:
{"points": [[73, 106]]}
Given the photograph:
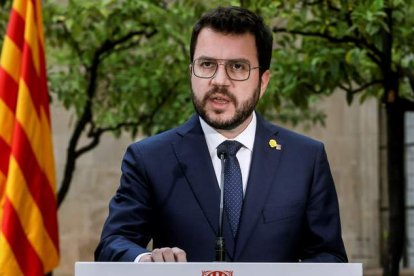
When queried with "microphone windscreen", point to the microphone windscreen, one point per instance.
{"points": [[222, 151]]}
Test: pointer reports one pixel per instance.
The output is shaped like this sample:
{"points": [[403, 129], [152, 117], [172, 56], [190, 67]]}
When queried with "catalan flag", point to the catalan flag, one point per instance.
{"points": [[29, 242]]}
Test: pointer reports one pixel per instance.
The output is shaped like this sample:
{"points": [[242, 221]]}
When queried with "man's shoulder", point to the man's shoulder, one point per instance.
{"points": [[165, 138], [291, 136]]}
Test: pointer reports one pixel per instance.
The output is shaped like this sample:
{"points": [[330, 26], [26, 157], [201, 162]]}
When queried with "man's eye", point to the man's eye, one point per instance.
{"points": [[207, 64], [239, 66]]}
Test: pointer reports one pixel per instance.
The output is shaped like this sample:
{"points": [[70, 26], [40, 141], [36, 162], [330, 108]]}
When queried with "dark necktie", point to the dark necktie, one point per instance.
{"points": [[233, 187]]}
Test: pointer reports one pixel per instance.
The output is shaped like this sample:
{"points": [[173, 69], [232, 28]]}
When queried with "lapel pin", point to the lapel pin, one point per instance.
{"points": [[274, 145]]}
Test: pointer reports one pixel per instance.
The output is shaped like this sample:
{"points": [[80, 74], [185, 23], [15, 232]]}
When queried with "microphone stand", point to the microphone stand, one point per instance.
{"points": [[220, 248]]}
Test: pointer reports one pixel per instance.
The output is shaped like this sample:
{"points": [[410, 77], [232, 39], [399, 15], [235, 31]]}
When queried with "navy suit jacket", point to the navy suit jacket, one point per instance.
{"points": [[169, 193]]}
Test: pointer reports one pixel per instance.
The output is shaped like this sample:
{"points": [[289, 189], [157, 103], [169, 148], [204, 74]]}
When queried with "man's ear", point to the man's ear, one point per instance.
{"points": [[264, 82]]}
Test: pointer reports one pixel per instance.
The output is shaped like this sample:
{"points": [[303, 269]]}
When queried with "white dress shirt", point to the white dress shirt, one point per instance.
{"points": [[244, 155]]}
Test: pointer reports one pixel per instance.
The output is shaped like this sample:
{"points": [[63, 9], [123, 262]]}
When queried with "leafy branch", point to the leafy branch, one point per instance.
{"points": [[86, 117], [375, 56], [361, 88]]}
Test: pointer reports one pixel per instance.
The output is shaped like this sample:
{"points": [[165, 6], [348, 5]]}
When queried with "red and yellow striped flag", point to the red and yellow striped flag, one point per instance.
{"points": [[29, 242]]}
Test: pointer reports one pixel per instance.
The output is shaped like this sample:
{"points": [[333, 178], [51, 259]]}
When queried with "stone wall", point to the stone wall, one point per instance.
{"points": [[85, 208], [351, 139]]}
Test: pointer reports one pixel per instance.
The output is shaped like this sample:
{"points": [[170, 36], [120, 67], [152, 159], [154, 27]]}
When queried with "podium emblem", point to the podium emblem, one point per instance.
{"points": [[217, 273]]}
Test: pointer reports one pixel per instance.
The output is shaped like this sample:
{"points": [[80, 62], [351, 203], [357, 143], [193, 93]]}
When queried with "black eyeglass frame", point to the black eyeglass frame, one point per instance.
{"points": [[225, 63]]}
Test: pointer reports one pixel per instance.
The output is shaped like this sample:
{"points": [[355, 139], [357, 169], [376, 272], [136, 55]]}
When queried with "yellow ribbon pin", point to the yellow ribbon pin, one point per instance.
{"points": [[274, 145]]}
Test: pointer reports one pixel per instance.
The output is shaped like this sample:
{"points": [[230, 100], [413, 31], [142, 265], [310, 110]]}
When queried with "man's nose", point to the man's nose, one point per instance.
{"points": [[221, 77]]}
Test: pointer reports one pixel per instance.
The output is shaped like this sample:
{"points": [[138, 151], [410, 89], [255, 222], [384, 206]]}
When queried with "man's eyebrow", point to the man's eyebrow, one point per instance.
{"points": [[206, 57], [230, 59]]}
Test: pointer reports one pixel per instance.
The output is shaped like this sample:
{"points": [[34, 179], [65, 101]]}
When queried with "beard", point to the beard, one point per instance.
{"points": [[241, 114]]}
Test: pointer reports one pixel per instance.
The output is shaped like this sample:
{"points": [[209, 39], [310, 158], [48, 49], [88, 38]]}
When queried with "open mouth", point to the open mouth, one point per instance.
{"points": [[219, 100]]}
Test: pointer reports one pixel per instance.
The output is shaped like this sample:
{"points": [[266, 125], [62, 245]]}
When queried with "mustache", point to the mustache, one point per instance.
{"points": [[222, 91]]}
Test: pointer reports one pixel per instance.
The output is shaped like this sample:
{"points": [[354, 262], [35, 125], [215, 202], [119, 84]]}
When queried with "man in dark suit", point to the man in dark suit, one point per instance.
{"points": [[170, 185]]}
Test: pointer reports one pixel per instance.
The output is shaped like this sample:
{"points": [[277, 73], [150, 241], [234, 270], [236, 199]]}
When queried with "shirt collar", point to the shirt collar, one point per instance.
{"points": [[214, 138]]}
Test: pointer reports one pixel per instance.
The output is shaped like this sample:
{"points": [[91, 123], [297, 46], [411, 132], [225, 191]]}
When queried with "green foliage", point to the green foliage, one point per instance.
{"points": [[325, 45], [129, 58], [4, 16], [142, 84]]}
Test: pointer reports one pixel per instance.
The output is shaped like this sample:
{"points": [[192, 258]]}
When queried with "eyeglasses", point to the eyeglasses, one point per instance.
{"points": [[237, 70]]}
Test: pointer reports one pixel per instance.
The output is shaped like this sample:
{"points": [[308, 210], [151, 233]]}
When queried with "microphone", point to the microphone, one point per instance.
{"points": [[220, 246]]}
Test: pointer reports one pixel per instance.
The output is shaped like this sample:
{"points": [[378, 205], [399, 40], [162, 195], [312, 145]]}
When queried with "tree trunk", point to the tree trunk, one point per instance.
{"points": [[395, 153], [396, 187]]}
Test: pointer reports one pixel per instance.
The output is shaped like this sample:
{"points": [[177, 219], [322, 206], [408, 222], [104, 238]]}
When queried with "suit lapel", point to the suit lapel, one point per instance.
{"points": [[262, 174], [194, 158]]}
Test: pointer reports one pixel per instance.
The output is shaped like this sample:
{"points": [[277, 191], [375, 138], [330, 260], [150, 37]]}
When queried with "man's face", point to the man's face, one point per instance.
{"points": [[227, 104]]}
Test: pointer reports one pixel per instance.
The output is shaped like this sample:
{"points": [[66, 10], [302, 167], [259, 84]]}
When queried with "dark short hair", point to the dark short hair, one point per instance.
{"points": [[237, 20]]}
